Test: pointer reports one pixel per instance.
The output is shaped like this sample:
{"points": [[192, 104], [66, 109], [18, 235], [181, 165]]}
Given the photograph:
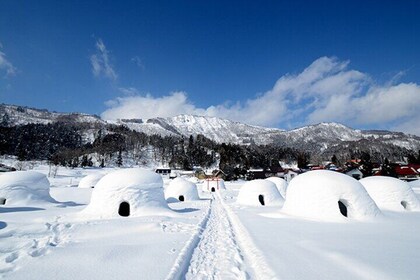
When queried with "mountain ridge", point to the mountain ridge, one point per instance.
{"points": [[320, 136]]}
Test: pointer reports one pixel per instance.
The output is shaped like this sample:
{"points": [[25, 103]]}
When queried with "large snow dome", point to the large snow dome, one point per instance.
{"points": [[330, 196], [90, 180], [281, 185], [180, 189], [259, 192], [214, 184], [24, 187], [128, 192], [391, 193]]}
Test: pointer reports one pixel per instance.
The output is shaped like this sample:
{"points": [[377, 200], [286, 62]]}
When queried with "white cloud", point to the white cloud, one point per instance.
{"points": [[101, 64], [6, 65], [147, 106], [138, 61], [325, 91]]}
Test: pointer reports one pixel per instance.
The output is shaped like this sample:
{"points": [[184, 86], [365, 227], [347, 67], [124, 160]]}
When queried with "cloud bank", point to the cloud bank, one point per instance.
{"points": [[325, 91], [100, 61]]}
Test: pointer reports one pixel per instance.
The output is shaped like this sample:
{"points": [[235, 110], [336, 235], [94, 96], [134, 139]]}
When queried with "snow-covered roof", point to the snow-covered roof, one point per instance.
{"points": [[280, 183], [391, 193], [25, 187], [328, 195], [141, 189], [259, 192], [90, 180], [180, 189]]}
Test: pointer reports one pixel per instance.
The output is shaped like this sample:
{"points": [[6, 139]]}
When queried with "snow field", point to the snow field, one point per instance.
{"points": [[90, 181]]}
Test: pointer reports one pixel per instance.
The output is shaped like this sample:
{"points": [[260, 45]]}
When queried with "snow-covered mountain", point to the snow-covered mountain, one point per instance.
{"points": [[313, 137]]}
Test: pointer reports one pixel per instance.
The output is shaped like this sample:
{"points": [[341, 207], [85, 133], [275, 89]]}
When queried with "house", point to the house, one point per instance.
{"points": [[407, 173], [253, 174]]}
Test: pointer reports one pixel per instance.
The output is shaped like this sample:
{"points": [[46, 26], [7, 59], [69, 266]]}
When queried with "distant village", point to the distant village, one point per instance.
{"points": [[356, 168]]}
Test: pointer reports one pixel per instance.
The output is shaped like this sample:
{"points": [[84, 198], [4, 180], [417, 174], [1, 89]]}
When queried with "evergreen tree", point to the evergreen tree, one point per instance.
{"points": [[119, 159]]}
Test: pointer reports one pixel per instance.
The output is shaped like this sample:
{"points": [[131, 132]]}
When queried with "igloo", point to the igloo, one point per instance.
{"points": [[281, 185], [180, 189], [329, 196], [213, 184], [24, 187], [128, 192], [90, 180], [391, 193], [259, 193]]}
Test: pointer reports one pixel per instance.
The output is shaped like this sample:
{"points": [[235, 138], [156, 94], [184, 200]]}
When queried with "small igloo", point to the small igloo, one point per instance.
{"points": [[281, 185], [259, 193], [128, 192], [90, 180], [391, 193], [180, 189], [329, 196], [24, 188], [213, 185]]}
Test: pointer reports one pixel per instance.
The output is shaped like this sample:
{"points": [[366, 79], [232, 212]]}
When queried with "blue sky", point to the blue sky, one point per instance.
{"points": [[272, 63]]}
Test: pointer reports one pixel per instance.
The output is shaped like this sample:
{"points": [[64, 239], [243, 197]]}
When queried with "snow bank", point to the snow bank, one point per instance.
{"points": [[414, 184], [259, 192], [24, 187], [329, 196], [391, 193], [281, 185], [212, 185], [180, 189], [90, 181], [128, 192]]}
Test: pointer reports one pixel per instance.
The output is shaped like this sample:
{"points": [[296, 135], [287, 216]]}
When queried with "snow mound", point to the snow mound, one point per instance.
{"points": [[212, 185], [90, 181], [128, 192], [414, 184], [329, 196], [391, 193], [24, 187], [181, 190], [281, 185], [259, 192]]}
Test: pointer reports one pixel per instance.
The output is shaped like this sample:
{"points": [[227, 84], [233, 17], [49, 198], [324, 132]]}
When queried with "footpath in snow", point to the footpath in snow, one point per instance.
{"points": [[221, 249]]}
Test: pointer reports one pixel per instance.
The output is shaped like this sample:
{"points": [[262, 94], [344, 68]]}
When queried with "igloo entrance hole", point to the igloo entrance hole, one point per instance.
{"points": [[343, 208], [2, 201], [405, 205], [181, 198], [124, 209], [213, 189], [261, 199]]}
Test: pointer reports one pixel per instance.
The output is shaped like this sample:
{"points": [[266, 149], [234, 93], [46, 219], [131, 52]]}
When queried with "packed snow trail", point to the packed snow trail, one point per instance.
{"points": [[221, 248], [217, 255]]}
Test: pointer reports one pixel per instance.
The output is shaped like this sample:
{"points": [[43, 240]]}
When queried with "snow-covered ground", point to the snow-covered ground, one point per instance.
{"points": [[210, 238]]}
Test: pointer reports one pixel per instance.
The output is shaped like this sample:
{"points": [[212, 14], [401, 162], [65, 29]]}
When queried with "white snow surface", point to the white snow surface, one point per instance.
{"points": [[25, 188], [181, 187], [217, 184], [211, 238], [281, 185], [142, 189], [391, 193], [89, 181], [250, 192], [315, 195]]}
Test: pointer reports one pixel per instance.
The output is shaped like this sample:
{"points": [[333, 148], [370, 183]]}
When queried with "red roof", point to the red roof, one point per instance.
{"points": [[405, 170]]}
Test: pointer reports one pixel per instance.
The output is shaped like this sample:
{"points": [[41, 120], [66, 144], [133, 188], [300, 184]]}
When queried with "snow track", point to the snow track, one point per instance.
{"points": [[220, 249]]}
